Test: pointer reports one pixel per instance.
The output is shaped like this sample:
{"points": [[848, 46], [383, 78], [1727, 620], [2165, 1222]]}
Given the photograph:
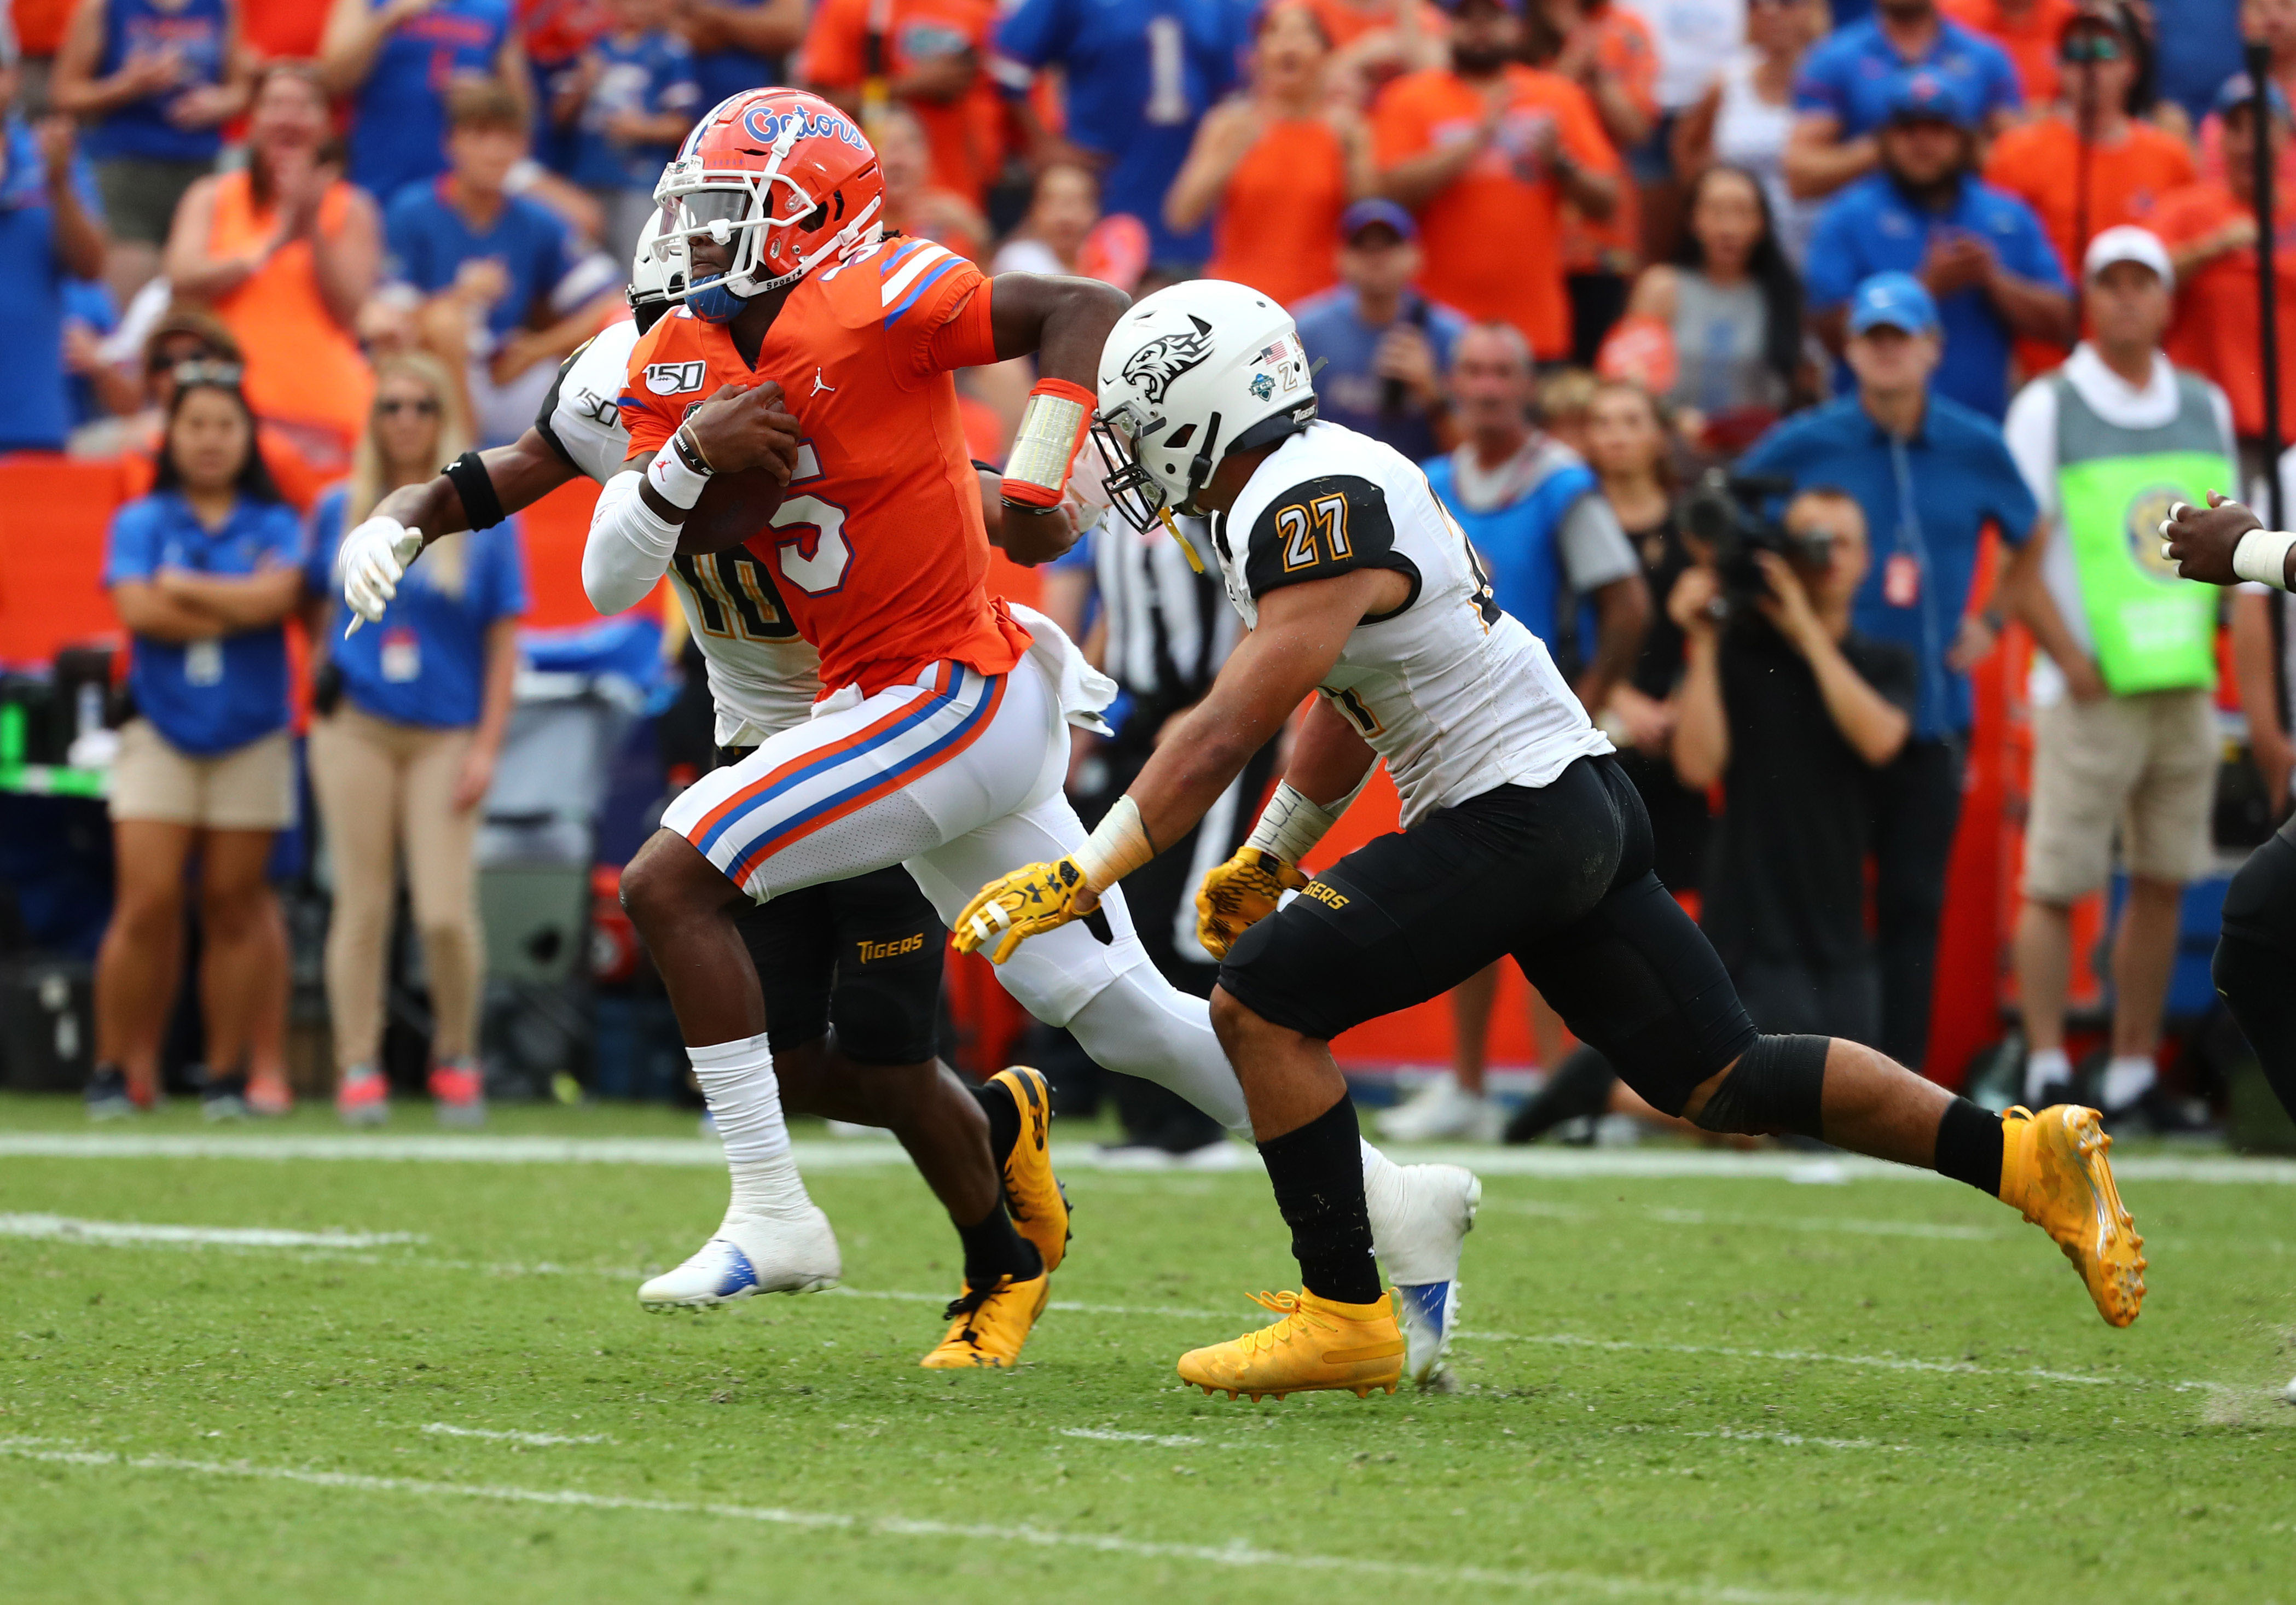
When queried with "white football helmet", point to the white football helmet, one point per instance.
{"points": [[1190, 374], [655, 285]]}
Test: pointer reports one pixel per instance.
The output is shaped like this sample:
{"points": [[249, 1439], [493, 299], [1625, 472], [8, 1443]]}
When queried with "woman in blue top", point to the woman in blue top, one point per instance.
{"points": [[394, 59], [204, 572], [411, 715], [154, 80]]}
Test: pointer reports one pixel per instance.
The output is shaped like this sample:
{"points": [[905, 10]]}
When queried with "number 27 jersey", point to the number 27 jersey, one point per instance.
{"points": [[878, 549]]}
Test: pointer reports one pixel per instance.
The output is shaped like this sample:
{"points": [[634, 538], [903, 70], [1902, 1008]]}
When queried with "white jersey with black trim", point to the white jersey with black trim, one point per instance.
{"points": [[1457, 696], [764, 676]]}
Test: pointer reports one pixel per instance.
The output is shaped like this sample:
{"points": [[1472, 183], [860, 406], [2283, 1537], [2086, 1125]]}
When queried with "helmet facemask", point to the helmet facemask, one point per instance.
{"points": [[738, 208]]}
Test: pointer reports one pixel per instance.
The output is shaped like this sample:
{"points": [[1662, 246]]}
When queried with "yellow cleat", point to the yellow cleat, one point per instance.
{"points": [[988, 1328], [1032, 1193], [1320, 1343], [2053, 1169]]}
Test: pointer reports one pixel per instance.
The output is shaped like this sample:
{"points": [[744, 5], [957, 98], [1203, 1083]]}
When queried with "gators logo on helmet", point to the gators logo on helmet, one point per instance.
{"points": [[1156, 364]]}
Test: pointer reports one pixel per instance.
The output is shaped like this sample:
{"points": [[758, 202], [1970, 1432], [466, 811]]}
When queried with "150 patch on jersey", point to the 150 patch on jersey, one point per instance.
{"points": [[670, 378]]}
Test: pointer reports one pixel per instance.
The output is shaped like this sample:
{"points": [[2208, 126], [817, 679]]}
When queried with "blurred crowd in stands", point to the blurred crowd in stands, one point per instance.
{"points": [[1570, 254]]}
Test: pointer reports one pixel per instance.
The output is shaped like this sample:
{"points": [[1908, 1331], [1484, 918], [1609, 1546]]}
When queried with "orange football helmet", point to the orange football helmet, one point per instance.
{"points": [[782, 175]]}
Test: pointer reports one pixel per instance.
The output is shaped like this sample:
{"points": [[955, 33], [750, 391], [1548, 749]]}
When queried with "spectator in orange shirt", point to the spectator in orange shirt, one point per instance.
{"points": [[1374, 41], [2271, 23], [2027, 30], [2209, 228], [1486, 151], [2129, 164], [1275, 166], [1606, 50], [188, 337], [914, 203], [286, 252], [934, 53]]}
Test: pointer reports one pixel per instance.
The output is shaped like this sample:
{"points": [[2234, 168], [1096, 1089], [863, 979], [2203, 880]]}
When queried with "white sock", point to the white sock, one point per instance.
{"points": [[2045, 1067], [2126, 1078], [745, 1101]]}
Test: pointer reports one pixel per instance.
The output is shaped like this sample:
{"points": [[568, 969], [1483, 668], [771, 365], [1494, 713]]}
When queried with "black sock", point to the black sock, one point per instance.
{"points": [[992, 1249], [1969, 1147], [1004, 1119], [1318, 1174]]}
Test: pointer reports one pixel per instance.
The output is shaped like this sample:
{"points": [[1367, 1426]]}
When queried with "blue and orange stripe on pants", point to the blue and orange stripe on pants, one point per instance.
{"points": [[951, 682]]}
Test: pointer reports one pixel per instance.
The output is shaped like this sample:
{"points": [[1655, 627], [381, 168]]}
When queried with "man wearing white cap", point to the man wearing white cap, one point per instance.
{"points": [[2124, 731]]}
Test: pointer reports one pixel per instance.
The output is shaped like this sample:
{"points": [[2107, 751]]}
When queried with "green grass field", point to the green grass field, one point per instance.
{"points": [[1686, 1388]]}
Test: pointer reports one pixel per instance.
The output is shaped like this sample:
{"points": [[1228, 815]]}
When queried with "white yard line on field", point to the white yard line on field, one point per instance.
{"points": [[1797, 1355], [1559, 1164], [539, 1440], [1237, 1554], [136, 1234]]}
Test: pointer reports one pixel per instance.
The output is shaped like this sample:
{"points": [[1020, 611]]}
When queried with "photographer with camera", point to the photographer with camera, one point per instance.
{"points": [[1929, 475], [1793, 712]]}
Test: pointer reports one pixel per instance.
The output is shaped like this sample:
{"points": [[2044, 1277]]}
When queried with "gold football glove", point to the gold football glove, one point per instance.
{"points": [[1239, 894], [1034, 898]]}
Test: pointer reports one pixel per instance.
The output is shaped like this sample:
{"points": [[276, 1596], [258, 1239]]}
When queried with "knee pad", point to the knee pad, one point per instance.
{"points": [[1777, 1086]]}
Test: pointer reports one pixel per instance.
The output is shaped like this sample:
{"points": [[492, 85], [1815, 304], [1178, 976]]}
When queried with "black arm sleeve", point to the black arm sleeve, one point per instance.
{"points": [[1319, 529]]}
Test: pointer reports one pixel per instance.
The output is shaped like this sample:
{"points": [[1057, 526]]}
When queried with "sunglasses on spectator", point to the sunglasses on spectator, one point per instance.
{"points": [[392, 408], [223, 374], [2090, 47]]}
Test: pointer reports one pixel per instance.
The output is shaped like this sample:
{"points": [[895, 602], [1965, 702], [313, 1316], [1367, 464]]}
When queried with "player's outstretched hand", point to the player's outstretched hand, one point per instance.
{"points": [[373, 560], [1034, 898], [744, 426], [1239, 894], [2200, 540]]}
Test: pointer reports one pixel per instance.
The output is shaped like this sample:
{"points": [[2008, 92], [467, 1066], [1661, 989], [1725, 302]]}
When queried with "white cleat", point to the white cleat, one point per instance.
{"points": [[752, 1254], [1442, 1111], [1419, 1218]]}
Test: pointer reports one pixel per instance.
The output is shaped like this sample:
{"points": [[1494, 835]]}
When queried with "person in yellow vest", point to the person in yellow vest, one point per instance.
{"points": [[2122, 691]]}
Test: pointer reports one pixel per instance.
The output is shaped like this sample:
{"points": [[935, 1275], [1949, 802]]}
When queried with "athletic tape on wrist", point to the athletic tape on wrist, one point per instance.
{"points": [[1052, 433], [1291, 825], [1117, 847], [672, 480], [2262, 556]]}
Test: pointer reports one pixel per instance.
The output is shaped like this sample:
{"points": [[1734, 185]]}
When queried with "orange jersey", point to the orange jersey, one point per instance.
{"points": [[2030, 40], [1622, 45], [2040, 163], [1493, 237], [2215, 331], [1277, 228], [878, 549]]}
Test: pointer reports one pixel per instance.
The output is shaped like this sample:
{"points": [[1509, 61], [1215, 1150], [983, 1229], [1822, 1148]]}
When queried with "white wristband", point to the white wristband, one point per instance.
{"points": [[1291, 825], [672, 481], [1117, 846], [2262, 556]]}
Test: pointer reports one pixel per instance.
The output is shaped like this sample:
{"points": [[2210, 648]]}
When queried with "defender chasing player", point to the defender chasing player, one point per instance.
{"points": [[1520, 836]]}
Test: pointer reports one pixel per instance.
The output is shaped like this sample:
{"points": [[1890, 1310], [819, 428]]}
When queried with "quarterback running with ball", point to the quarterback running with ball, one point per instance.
{"points": [[941, 740], [1520, 837]]}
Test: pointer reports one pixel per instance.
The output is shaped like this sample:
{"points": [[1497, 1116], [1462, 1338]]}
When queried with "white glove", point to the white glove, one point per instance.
{"points": [[373, 560]]}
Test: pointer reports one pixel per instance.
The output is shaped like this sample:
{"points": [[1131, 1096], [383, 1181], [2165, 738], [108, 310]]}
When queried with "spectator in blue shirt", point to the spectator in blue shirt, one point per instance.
{"points": [[1979, 250], [1384, 346], [630, 102], [1139, 80], [48, 237], [412, 714], [154, 81], [203, 571], [506, 295], [396, 61], [1931, 475], [1842, 94]]}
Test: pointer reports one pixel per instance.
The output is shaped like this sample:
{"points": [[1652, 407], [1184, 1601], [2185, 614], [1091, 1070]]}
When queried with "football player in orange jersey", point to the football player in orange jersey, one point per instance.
{"points": [[940, 740]]}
